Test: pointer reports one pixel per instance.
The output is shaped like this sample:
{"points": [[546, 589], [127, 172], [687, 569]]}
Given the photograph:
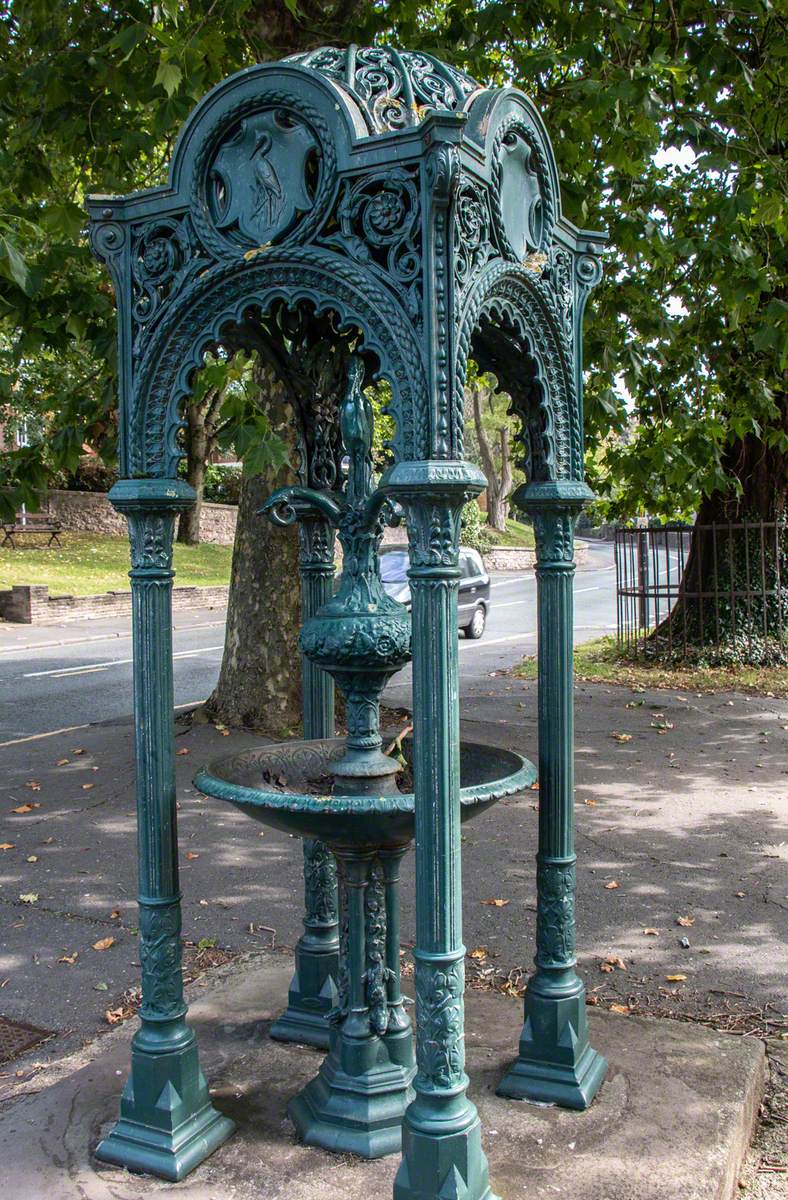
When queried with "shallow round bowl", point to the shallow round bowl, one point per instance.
{"points": [[280, 784]]}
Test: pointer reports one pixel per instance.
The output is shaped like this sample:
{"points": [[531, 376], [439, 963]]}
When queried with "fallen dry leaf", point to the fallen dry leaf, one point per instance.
{"points": [[590, 803], [79, 750], [478, 952], [612, 963], [496, 903], [113, 1016], [61, 762], [114, 915], [87, 786], [183, 750], [104, 943], [621, 737], [740, 895], [34, 785], [609, 887], [535, 786], [28, 897], [685, 922], [32, 858], [619, 1008], [6, 845], [23, 808], [192, 854], [675, 978], [69, 958], [650, 932]]}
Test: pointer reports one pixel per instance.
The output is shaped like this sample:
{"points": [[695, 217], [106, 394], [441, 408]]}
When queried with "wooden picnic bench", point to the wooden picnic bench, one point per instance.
{"points": [[26, 523]]}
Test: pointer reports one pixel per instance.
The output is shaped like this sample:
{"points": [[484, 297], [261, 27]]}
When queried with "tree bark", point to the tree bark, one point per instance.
{"points": [[259, 684], [499, 481], [201, 428], [732, 559]]}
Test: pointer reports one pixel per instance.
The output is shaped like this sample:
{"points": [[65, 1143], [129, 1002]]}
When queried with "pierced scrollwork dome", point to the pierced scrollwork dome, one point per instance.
{"points": [[394, 88]]}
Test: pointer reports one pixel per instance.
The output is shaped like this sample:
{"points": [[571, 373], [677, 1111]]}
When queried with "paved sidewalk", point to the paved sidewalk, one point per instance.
{"points": [[671, 1122], [688, 819]]}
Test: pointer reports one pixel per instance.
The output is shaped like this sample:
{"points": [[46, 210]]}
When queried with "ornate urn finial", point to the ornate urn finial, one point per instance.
{"points": [[361, 636]]}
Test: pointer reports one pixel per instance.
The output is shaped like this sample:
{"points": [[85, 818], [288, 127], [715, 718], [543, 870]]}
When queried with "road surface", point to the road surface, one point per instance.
{"points": [[70, 675]]}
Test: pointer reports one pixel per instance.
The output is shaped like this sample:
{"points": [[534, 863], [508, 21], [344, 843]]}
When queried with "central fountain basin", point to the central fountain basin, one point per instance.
{"points": [[288, 786], [356, 1102]]}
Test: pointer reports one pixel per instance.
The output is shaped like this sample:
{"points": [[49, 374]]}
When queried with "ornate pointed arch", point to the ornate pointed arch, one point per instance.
{"points": [[509, 318], [191, 327]]}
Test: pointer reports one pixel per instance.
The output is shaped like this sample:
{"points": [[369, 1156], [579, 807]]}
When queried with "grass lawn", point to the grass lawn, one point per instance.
{"points": [[600, 662], [517, 534], [91, 563]]}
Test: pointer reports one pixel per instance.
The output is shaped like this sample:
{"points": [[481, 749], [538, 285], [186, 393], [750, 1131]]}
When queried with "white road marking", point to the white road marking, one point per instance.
{"points": [[99, 637], [115, 662], [507, 582], [34, 737], [482, 642], [591, 589]]}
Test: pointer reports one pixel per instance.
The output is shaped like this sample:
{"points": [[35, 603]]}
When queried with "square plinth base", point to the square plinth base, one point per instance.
{"points": [[667, 1080]]}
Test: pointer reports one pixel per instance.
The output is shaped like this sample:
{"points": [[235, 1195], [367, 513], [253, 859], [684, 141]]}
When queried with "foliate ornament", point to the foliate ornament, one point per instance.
{"points": [[559, 278], [472, 246], [376, 974], [555, 920], [151, 537], [396, 89], [433, 532], [343, 975], [163, 257], [320, 884], [554, 535], [160, 960], [523, 205], [379, 217], [440, 1047], [264, 174]]}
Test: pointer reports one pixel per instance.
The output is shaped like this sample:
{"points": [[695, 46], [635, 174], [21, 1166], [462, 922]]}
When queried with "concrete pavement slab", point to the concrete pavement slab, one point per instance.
{"points": [[672, 1122]]}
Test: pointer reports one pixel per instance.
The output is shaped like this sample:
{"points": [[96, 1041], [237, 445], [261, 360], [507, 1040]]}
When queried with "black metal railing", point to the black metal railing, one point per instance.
{"points": [[694, 591]]}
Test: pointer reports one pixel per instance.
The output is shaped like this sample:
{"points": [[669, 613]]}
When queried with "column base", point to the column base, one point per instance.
{"points": [[449, 1166], [556, 1063], [167, 1124], [311, 997], [354, 1114]]}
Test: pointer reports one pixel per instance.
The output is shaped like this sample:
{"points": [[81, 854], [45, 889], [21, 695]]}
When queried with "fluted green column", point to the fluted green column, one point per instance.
{"points": [[313, 988], [556, 1062], [167, 1124], [442, 1154]]}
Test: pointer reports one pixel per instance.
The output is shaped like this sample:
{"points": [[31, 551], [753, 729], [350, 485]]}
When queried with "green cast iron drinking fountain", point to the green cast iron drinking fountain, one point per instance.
{"points": [[379, 199], [361, 637]]}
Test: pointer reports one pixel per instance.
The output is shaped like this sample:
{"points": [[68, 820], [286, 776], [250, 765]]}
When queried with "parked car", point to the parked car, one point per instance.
{"points": [[473, 602]]}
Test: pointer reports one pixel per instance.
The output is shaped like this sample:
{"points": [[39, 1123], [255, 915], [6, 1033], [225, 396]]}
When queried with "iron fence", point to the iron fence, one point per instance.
{"points": [[718, 592]]}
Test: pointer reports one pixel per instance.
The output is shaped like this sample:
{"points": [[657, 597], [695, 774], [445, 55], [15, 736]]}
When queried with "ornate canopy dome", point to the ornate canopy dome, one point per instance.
{"points": [[393, 88]]}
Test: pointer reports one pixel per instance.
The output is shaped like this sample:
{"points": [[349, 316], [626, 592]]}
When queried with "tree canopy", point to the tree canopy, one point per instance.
{"points": [[668, 121]]}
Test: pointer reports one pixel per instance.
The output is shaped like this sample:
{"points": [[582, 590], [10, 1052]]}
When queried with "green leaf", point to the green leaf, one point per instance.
{"points": [[169, 75], [13, 265]]}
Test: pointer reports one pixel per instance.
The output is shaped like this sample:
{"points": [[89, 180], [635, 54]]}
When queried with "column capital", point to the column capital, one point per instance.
{"points": [[553, 495], [433, 479], [141, 495]]}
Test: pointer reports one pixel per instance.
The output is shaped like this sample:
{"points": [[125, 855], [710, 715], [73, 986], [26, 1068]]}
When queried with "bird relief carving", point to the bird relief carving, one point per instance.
{"points": [[259, 177]]}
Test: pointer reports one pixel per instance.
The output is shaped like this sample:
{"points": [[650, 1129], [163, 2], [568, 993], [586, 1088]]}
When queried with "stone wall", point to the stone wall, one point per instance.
{"points": [[33, 605], [518, 558], [91, 512]]}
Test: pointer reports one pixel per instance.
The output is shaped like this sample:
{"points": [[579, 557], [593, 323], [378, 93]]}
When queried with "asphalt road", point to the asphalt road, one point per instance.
{"points": [[54, 677]]}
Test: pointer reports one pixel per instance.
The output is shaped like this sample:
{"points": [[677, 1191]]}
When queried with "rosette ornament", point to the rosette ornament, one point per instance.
{"points": [[360, 636]]}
